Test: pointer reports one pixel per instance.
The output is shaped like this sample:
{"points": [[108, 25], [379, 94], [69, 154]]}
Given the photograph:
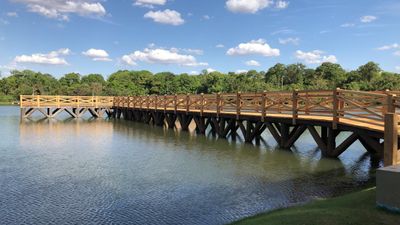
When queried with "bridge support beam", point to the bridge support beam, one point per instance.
{"points": [[171, 120], [185, 121]]}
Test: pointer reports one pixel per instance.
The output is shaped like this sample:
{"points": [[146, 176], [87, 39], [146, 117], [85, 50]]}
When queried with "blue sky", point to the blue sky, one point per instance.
{"points": [[98, 36]]}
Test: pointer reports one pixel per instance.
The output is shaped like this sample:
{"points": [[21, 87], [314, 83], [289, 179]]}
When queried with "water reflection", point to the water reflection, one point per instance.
{"points": [[106, 171]]}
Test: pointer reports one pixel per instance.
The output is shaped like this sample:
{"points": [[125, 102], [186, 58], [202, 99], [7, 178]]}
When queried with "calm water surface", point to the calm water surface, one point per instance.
{"points": [[119, 172]]}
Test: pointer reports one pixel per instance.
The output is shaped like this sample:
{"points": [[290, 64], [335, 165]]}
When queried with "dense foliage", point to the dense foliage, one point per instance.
{"points": [[279, 77]]}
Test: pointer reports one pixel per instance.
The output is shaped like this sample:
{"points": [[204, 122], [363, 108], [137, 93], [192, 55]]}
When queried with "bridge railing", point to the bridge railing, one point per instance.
{"points": [[338, 105], [48, 101]]}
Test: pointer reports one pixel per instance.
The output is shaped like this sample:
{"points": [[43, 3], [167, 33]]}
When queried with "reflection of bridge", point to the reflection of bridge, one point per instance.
{"points": [[370, 117]]}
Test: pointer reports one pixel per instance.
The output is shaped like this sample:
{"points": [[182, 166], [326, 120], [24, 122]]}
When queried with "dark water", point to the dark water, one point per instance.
{"points": [[119, 172]]}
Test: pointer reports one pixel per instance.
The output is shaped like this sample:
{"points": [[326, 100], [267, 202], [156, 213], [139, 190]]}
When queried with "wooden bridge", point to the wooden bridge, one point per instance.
{"points": [[370, 117], [75, 106]]}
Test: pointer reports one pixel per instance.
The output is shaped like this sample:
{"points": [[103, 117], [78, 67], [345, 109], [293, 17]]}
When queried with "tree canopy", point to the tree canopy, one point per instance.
{"points": [[279, 77]]}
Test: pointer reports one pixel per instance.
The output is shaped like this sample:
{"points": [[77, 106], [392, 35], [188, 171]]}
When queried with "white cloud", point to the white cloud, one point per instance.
{"points": [[281, 4], [254, 47], [97, 54], [247, 6], [388, 47], [194, 72], [167, 16], [4, 22], [51, 58], [127, 59], [348, 25], [161, 56], [397, 53], [315, 57], [12, 14], [220, 46], [397, 68], [193, 51], [150, 3], [60, 9], [294, 41], [210, 70], [253, 63], [240, 71], [206, 17], [368, 19]]}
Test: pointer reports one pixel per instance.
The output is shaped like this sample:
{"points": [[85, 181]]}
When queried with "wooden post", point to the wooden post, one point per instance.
{"points": [[218, 103], [148, 102], [187, 103], [307, 112], [263, 103], [58, 101], [156, 102], [294, 106], [390, 155], [38, 101], [165, 103], [390, 104], [175, 103], [238, 104], [335, 108], [201, 104]]}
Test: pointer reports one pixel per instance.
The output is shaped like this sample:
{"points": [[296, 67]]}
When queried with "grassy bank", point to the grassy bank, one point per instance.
{"points": [[355, 208], [6, 103]]}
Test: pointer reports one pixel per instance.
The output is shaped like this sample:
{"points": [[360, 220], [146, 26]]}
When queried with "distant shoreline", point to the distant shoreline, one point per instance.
{"points": [[8, 104]]}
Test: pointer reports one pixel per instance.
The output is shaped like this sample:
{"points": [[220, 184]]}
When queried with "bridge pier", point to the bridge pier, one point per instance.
{"points": [[171, 120]]}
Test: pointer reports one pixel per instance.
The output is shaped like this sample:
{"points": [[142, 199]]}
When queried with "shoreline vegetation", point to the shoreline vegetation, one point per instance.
{"points": [[354, 208], [327, 76]]}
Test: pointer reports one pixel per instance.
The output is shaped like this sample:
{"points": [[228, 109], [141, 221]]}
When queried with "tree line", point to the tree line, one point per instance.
{"points": [[123, 83]]}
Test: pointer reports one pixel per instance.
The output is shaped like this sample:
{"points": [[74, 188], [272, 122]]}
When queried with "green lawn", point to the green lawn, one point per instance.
{"points": [[355, 208]]}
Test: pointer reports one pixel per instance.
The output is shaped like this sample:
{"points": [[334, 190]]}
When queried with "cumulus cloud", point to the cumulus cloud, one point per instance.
{"points": [[161, 56], [210, 70], [315, 57], [254, 47], [12, 14], [61, 9], [51, 58], [388, 47], [206, 17], [247, 6], [294, 41], [4, 22], [281, 4], [193, 51], [97, 54], [253, 63], [240, 71], [150, 3], [368, 19], [167, 16], [348, 25]]}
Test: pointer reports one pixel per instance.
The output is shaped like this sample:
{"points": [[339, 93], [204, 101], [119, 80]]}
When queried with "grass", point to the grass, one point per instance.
{"points": [[354, 208], [6, 103]]}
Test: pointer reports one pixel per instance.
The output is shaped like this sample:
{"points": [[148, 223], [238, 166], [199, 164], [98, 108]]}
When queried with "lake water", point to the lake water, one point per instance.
{"points": [[69, 171]]}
